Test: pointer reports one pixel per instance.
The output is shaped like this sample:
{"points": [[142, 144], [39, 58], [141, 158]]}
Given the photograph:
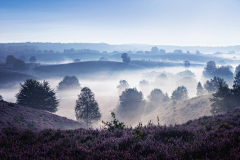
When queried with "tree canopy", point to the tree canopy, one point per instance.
{"points": [[69, 82], [186, 64], [200, 89], [125, 58], [123, 84], [37, 95], [179, 94], [213, 84], [10, 59], [19, 64], [87, 108], [32, 59]]}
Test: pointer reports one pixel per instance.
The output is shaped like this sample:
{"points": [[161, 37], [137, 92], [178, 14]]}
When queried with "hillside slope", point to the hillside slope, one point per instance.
{"points": [[181, 112], [28, 118]]}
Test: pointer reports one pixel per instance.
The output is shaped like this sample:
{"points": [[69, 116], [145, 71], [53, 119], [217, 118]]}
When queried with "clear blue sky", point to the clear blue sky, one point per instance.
{"points": [[156, 22]]}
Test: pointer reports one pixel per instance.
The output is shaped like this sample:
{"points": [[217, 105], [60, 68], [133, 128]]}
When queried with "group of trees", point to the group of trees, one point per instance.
{"points": [[19, 63]]}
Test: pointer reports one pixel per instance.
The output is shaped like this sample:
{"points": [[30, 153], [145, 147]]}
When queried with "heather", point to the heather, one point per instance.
{"points": [[209, 137]]}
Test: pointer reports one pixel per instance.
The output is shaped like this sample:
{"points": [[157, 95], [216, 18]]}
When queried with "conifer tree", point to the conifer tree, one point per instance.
{"points": [[86, 107]]}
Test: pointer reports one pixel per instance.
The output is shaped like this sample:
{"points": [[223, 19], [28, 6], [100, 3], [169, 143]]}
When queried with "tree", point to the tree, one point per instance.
{"points": [[154, 50], [156, 95], [213, 84], [77, 60], [162, 51], [125, 58], [69, 82], [237, 69], [179, 94], [33, 59], [143, 83], [103, 59], [10, 59], [166, 98], [186, 73], [19, 64], [209, 69], [131, 103], [186, 64], [22, 57], [1, 98], [224, 99], [123, 84], [87, 108], [224, 72], [237, 79], [200, 89], [37, 95], [197, 52]]}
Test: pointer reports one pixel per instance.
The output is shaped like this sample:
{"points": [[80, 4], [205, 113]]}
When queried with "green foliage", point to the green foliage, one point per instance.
{"points": [[225, 125], [115, 124], [138, 133], [37, 95], [86, 107], [11, 104]]}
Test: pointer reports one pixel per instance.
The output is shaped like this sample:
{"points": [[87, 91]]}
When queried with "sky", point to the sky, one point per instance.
{"points": [[154, 22]]}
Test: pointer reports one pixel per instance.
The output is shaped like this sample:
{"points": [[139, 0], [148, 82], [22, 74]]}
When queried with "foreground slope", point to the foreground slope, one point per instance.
{"points": [[13, 115]]}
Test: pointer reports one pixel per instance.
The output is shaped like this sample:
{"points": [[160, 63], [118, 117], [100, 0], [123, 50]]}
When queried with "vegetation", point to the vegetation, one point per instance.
{"points": [[68, 82], [213, 85], [103, 59], [10, 59], [186, 64], [125, 58], [1, 98], [77, 60], [180, 94], [33, 59], [123, 84], [19, 64], [143, 83], [87, 108], [37, 95], [200, 89]]}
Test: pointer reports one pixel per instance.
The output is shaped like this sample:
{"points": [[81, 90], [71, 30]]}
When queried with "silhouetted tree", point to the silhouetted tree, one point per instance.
{"points": [[131, 100], [209, 69], [125, 58], [19, 64], [1, 98], [69, 82], [237, 79], [186, 64], [197, 52], [224, 72], [122, 86], [87, 108], [154, 50], [178, 51], [213, 84], [156, 95], [200, 89], [224, 99], [10, 59], [162, 51], [33, 59], [179, 94], [37, 95]]}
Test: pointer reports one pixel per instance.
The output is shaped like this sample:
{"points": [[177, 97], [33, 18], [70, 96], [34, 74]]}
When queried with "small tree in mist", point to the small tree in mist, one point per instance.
{"points": [[69, 82], [76, 60], [180, 94], [125, 58], [86, 107], [237, 69], [131, 103], [1, 98], [156, 96], [37, 95], [200, 89], [123, 84], [209, 69], [186, 64], [143, 83], [33, 59], [213, 85]]}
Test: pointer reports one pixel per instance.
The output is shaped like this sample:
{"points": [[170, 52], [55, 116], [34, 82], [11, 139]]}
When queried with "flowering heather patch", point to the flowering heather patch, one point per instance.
{"points": [[13, 115], [209, 137]]}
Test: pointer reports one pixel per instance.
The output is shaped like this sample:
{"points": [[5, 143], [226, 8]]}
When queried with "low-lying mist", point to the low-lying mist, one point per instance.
{"points": [[106, 91]]}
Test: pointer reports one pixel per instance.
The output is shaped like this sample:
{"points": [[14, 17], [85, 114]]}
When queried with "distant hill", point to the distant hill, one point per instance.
{"points": [[9, 77], [28, 118], [87, 67]]}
